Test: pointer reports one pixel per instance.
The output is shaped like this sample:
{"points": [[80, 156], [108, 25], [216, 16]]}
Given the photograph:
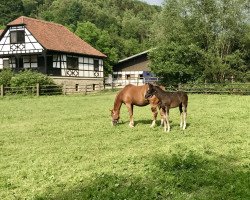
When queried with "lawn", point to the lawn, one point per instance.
{"points": [[64, 147]]}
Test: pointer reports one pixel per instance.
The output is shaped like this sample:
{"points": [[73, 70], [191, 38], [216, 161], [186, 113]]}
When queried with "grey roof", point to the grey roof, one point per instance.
{"points": [[133, 56]]}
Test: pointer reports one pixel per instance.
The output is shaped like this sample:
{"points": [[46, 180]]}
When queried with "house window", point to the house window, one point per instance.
{"points": [[6, 63], [30, 61], [128, 76], [72, 62], [96, 65], [17, 37]]}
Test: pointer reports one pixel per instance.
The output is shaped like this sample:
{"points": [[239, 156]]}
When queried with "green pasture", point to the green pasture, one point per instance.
{"points": [[64, 147]]}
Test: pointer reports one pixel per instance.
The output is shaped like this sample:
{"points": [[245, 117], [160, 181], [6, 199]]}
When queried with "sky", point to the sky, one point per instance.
{"points": [[154, 2]]}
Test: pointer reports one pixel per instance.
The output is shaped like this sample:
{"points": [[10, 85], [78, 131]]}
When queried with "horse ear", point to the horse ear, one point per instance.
{"points": [[162, 87]]}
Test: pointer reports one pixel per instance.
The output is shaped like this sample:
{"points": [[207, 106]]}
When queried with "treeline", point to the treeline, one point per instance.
{"points": [[118, 28], [202, 41], [191, 40]]}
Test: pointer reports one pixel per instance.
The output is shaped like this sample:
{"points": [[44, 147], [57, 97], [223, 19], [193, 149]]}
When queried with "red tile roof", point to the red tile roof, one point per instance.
{"points": [[56, 37]]}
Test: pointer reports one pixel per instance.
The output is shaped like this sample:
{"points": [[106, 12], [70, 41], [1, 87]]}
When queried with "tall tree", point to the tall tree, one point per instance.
{"points": [[9, 10], [101, 40], [127, 22], [210, 29], [31, 7]]}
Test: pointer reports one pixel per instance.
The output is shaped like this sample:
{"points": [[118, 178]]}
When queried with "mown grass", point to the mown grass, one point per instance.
{"points": [[63, 147]]}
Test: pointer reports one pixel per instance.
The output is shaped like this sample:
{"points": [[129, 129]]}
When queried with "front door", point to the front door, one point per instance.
{"points": [[20, 62], [41, 64]]}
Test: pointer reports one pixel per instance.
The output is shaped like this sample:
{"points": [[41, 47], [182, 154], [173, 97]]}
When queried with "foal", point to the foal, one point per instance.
{"points": [[170, 100]]}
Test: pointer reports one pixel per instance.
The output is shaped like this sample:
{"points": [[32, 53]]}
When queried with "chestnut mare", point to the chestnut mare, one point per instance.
{"points": [[170, 100], [132, 95]]}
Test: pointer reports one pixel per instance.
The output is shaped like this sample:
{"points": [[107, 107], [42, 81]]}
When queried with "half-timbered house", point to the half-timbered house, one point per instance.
{"points": [[52, 49], [134, 69]]}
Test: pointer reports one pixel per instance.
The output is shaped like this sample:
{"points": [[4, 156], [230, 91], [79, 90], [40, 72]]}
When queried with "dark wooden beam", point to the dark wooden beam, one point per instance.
{"points": [[45, 62]]}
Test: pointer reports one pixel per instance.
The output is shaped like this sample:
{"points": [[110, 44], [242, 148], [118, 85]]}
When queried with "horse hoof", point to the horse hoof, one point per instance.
{"points": [[131, 126], [167, 130]]}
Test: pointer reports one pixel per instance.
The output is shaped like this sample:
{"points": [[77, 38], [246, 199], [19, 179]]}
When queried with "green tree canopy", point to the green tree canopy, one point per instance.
{"points": [[201, 40], [125, 21], [101, 40], [119, 28], [9, 10]]}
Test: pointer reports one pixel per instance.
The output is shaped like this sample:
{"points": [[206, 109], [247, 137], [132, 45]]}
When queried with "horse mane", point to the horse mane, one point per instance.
{"points": [[159, 92], [118, 101], [158, 89]]}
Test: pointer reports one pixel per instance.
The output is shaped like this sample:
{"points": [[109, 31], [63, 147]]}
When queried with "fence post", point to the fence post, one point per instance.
{"points": [[64, 88], [205, 86], [179, 86], [112, 84], [86, 88], [37, 89], [2, 91]]}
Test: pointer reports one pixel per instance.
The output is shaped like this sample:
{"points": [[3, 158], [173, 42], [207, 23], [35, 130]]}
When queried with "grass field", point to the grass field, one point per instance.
{"points": [[63, 147]]}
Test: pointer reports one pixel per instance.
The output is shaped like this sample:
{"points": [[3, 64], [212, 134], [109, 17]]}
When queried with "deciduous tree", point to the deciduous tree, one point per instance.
{"points": [[201, 39]]}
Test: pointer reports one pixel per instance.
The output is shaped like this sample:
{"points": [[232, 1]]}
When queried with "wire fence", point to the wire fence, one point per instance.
{"points": [[206, 88], [113, 83], [217, 88], [38, 90]]}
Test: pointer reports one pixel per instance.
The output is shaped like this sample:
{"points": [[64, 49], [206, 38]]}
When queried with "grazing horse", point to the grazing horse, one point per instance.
{"points": [[170, 100], [132, 95]]}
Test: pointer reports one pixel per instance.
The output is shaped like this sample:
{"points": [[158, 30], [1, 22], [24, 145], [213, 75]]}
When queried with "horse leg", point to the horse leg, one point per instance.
{"points": [[162, 116], [154, 112], [181, 115], [164, 119], [184, 117], [167, 119], [130, 110]]}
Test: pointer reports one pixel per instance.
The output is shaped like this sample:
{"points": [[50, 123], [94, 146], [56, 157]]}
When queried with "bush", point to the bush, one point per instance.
{"points": [[28, 78], [226, 88], [6, 76]]}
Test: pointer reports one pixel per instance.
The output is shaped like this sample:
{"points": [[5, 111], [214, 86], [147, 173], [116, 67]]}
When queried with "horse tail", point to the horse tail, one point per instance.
{"points": [[185, 101]]}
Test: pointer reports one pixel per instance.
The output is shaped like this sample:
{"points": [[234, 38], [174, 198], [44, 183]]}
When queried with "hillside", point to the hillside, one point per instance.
{"points": [[118, 28]]}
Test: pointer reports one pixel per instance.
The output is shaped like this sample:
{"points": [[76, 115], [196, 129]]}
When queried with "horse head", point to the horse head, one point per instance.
{"points": [[115, 116], [150, 92]]}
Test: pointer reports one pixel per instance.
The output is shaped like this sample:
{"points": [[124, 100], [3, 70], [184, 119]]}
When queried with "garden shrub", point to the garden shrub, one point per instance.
{"points": [[28, 78], [6, 76], [25, 83]]}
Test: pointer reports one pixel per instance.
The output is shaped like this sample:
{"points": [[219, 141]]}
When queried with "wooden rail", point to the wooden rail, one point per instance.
{"points": [[214, 88], [37, 90]]}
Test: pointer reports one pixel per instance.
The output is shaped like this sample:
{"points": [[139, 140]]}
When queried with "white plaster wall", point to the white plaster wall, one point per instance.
{"points": [[30, 45]]}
